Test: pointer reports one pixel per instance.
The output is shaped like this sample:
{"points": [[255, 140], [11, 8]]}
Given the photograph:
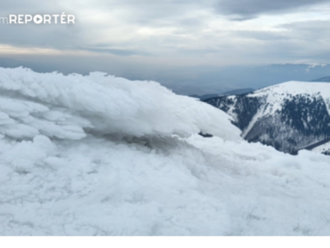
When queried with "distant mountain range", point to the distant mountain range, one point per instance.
{"points": [[206, 96], [214, 80], [290, 116], [231, 92], [323, 79], [238, 91]]}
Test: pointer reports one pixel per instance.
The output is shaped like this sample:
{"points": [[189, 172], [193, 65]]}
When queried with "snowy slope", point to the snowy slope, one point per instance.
{"points": [[324, 148], [288, 116], [275, 95], [83, 173]]}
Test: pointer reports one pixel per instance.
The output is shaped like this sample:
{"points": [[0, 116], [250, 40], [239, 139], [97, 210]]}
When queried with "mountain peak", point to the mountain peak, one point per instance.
{"points": [[289, 116]]}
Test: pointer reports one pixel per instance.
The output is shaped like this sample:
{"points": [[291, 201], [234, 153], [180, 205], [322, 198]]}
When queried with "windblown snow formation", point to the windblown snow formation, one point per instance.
{"points": [[99, 155], [65, 107]]}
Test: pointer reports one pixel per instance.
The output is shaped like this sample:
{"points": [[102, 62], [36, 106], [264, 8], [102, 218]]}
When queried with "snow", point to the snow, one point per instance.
{"points": [[99, 155], [274, 97], [322, 148], [276, 94], [63, 106], [254, 119]]}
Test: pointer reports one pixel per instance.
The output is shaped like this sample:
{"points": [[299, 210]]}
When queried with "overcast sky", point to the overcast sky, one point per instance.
{"points": [[136, 38]]}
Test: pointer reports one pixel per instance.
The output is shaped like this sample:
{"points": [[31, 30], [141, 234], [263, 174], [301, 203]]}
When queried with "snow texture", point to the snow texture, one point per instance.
{"points": [[64, 106], [324, 148], [99, 155]]}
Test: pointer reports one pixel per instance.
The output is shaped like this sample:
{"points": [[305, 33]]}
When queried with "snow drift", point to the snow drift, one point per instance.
{"points": [[66, 106], [99, 155]]}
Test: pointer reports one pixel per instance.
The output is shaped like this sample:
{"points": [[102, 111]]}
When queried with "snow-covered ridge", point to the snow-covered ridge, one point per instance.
{"points": [[289, 116], [295, 88], [67, 107], [276, 94]]}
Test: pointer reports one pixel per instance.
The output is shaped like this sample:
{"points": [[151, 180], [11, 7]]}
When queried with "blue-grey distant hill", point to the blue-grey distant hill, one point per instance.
{"points": [[206, 96], [214, 80], [323, 79], [237, 92], [227, 93]]}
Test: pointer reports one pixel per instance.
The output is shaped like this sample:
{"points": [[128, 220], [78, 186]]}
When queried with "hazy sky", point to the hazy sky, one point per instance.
{"points": [[163, 38]]}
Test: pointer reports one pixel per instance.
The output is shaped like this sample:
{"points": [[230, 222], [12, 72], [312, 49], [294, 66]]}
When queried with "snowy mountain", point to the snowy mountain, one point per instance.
{"points": [[100, 155], [288, 116]]}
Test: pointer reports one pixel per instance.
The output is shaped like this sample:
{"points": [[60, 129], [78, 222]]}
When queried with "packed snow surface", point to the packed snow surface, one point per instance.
{"points": [[99, 155]]}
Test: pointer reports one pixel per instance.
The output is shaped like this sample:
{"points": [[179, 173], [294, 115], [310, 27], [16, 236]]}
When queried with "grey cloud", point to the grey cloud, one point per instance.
{"points": [[183, 43], [33, 35], [30, 7], [261, 35], [160, 13], [46, 36], [309, 29], [118, 52], [311, 38], [85, 34], [307, 40], [248, 9]]}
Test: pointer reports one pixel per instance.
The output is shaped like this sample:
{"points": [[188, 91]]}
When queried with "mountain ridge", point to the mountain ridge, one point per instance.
{"points": [[322, 79], [288, 116]]}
